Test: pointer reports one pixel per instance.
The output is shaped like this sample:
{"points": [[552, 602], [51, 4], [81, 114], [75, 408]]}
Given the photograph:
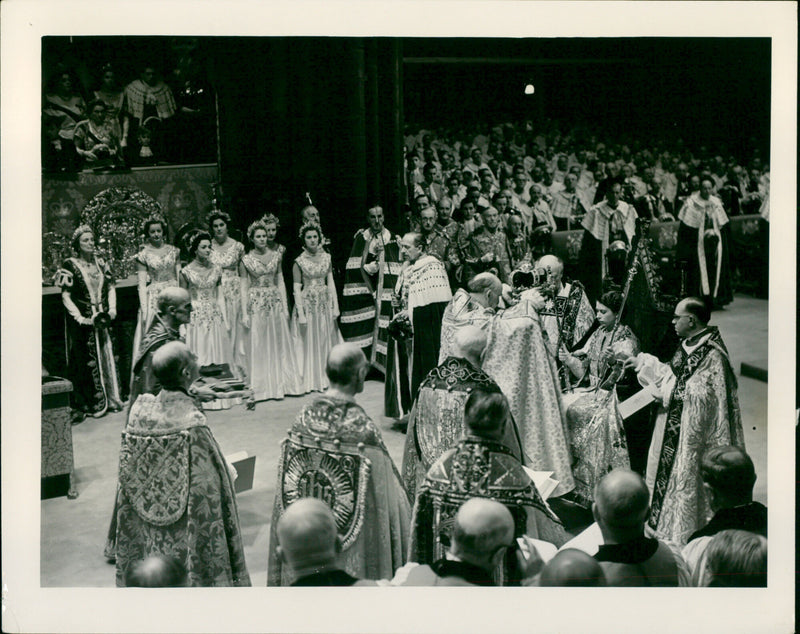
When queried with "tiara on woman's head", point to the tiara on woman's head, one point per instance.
{"points": [[80, 231], [153, 218], [311, 225], [271, 219], [258, 224], [218, 213]]}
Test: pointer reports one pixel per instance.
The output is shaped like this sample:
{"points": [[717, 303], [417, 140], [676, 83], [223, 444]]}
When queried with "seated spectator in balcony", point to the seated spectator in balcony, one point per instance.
{"points": [[448, 164], [602, 181], [476, 162], [96, 140], [429, 154], [632, 186], [481, 202], [431, 183], [729, 192], [148, 101], [192, 132], [62, 110], [522, 185], [502, 202], [454, 190], [112, 95], [537, 174], [550, 186], [488, 184], [444, 218], [541, 214], [413, 170], [468, 178], [560, 171], [718, 172], [567, 206], [653, 205], [754, 192]]}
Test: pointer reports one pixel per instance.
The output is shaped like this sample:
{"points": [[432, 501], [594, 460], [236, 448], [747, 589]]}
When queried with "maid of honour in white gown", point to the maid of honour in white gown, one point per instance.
{"points": [[316, 309], [268, 348]]}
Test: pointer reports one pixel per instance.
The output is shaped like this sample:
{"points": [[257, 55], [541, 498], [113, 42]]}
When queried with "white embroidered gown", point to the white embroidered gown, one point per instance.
{"points": [[206, 334], [161, 266], [227, 258], [315, 338], [268, 346]]}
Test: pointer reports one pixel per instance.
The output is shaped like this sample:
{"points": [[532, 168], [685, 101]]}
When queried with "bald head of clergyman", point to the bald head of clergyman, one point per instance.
{"points": [[621, 505], [174, 306], [469, 343], [486, 289], [482, 531], [572, 568], [175, 366], [347, 368], [307, 537]]}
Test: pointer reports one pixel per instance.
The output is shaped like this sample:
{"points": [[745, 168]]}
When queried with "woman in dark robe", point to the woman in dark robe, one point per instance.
{"points": [[88, 295]]}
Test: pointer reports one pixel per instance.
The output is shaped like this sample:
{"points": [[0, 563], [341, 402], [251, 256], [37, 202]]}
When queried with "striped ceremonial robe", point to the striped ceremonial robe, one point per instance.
{"points": [[367, 298]]}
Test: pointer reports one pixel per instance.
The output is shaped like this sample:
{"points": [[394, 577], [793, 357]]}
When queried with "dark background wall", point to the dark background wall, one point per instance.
{"points": [[705, 90], [316, 115]]}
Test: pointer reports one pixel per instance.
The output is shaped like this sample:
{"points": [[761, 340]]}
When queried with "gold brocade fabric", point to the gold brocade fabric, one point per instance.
{"points": [[518, 360], [476, 467], [175, 494], [436, 421], [710, 417], [379, 545], [597, 438]]}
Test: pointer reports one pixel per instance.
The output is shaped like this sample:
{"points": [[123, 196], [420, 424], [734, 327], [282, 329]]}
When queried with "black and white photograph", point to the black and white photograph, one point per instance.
{"points": [[366, 297]]}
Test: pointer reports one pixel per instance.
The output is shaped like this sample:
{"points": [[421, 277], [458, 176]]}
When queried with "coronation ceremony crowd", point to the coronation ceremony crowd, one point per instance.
{"points": [[526, 397]]}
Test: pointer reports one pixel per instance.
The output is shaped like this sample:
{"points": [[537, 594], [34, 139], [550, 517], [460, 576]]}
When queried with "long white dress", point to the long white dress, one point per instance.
{"points": [[161, 267], [319, 334], [206, 334], [272, 368], [227, 258]]}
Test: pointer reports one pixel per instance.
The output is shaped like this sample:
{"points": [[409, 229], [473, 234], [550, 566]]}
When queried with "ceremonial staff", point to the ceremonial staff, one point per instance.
{"points": [[560, 321], [625, 291]]}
